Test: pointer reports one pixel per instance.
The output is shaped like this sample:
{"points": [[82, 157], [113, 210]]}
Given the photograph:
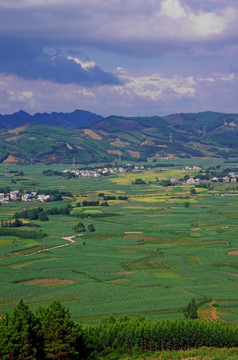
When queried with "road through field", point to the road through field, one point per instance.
{"points": [[67, 238]]}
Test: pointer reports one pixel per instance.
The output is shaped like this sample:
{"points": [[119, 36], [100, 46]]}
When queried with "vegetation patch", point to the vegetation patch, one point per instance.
{"points": [[167, 275], [118, 281]]}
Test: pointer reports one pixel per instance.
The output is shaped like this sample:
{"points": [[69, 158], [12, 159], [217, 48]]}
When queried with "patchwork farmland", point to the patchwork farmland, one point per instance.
{"points": [[150, 254]]}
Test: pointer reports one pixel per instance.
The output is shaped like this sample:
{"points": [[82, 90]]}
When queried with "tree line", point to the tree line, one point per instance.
{"points": [[50, 333], [26, 234], [40, 214]]}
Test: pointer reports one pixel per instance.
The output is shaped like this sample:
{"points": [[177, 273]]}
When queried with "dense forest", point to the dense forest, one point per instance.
{"points": [[50, 333]]}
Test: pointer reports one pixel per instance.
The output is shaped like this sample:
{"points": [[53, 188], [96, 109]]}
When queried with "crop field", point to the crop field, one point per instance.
{"points": [[149, 254]]}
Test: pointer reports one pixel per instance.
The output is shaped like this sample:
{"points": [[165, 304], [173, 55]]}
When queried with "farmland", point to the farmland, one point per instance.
{"points": [[150, 254]]}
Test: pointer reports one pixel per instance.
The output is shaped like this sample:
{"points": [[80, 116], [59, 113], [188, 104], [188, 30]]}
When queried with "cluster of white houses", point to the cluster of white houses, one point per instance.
{"points": [[15, 195], [230, 178], [96, 172]]}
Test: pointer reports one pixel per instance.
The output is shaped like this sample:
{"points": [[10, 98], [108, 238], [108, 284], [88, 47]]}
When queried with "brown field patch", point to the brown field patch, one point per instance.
{"points": [[215, 242], [105, 237], [141, 237], [31, 138], [134, 154], [50, 138], [10, 158], [233, 252], [210, 314], [119, 143], [14, 138], [29, 251], [92, 134], [233, 274], [79, 147], [51, 283], [196, 229], [114, 152], [18, 129]]}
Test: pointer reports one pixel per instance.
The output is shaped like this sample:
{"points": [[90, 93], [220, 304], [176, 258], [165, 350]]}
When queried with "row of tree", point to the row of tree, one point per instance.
{"points": [[50, 333], [26, 234], [146, 335], [40, 214], [79, 227], [92, 203]]}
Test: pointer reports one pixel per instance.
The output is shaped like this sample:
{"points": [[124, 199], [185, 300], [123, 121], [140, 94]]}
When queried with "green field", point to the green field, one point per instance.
{"points": [[149, 254]]}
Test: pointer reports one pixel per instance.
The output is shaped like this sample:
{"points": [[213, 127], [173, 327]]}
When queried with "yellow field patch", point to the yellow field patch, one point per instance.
{"points": [[69, 147], [5, 242], [92, 211], [19, 129], [51, 283], [28, 262], [149, 199]]}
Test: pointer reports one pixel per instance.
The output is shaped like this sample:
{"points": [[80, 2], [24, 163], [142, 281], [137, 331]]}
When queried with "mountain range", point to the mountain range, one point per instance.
{"points": [[89, 138]]}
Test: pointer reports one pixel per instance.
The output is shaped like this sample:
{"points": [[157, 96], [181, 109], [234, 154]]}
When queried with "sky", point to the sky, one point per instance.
{"points": [[121, 57]]}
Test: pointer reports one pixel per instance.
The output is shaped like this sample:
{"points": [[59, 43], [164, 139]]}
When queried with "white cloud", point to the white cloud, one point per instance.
{"points": [[157, 86], [27, 94], [86, 92], [173, 9], [86, 65]]}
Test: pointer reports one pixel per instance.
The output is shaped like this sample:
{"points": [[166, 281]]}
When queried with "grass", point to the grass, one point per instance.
{"points": [[193, 354]]}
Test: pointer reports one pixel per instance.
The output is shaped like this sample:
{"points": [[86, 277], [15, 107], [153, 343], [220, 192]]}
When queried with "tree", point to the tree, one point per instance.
{"points": [[20, 335], [91, 228], [43, 216], [193, 191], [186, 204], [138, 182], [191, 310], [62, 338], [79, 227]]}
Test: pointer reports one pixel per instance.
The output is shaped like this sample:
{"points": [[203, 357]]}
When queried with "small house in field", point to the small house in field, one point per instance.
{"points": [[43, 197]]}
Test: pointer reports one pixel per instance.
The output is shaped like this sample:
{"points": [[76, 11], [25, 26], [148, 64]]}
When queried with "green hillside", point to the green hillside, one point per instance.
{"points": [[133, 139]]}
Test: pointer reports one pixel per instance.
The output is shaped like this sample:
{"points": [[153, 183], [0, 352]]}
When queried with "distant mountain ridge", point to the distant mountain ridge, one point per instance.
{"points": [[73, 120], [89, 138]]}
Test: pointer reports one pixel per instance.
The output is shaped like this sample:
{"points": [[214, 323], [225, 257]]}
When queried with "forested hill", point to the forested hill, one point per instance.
{"points": [[104, 140], [74, 120]]}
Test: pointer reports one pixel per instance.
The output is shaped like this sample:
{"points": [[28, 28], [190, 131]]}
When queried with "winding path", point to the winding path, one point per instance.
{"points": [[67, 238]]}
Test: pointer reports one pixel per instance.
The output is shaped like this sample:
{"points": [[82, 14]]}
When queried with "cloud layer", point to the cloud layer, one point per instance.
{"points": [[191, 46]]}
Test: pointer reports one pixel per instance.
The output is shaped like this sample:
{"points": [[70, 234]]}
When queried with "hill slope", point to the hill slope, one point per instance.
{"points": [[133, 139]]}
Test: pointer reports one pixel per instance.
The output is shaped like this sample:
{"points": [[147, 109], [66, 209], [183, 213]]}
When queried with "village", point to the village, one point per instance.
{"points": [[15, 195], [105, 171]]}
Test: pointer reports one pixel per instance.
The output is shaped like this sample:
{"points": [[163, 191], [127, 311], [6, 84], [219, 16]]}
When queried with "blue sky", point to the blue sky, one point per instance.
{"points": [[124, 57]]}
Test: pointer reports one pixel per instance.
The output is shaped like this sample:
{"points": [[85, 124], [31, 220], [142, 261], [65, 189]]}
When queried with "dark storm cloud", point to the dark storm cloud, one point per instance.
{"points": [[27, 60]]}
